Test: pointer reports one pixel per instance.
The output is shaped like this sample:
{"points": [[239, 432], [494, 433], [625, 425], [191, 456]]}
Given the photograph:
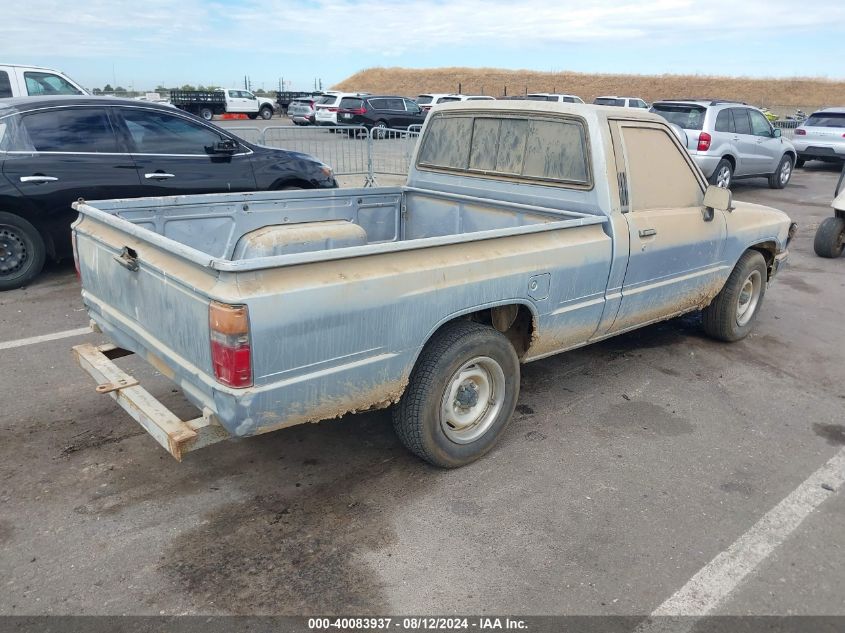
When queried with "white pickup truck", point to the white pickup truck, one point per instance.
{"points": [[207, 103], [525, 229], [17, 80]]}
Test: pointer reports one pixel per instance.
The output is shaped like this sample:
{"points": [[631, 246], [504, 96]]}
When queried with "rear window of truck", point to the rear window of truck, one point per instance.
{"points": [[5, 84], [536, 149]]}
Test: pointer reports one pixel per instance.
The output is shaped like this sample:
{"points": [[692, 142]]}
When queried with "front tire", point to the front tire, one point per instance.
{"points": [[22, 251], [723, 175], [266, 113], [783, 173], [461, 395], [830, 238], [731, 315]]}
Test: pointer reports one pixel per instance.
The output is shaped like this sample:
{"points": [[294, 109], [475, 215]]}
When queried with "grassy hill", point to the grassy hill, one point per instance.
{"points": [[783, 94]]}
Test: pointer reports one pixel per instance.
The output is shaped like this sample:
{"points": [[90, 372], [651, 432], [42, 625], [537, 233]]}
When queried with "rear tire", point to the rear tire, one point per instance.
{"points": [[783, 173], [379, 130], [461, 395], [22, 251], [723, 175], [731, 315], [253, 115], [830, 238], [800, 162], [206, 113]]}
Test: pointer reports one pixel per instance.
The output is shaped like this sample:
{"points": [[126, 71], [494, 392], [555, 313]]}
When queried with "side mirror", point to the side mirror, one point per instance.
{"points": [[718, 198], [225, 147], [777, 133]]}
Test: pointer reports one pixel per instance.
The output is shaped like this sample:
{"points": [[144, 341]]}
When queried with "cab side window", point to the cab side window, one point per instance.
{"points": [[48, 84], [759, 124], [659, 176], [5, 85]]}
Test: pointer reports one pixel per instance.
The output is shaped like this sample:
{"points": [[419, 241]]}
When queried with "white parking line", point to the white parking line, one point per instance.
{"points": [[44, 337], [721, 576]]}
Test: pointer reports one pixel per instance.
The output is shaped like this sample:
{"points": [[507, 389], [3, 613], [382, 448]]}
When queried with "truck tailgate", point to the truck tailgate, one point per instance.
{"points": [[136, 289]]}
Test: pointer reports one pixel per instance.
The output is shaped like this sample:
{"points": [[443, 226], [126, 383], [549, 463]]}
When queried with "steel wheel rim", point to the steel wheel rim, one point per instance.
{"points": [[723, 179], [472, 400], [749, 297], [266, 114], [13, 251], [785, 172]]}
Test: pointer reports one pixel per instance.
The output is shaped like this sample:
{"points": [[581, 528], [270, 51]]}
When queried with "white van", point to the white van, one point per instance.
{"points": [[17, 80]]}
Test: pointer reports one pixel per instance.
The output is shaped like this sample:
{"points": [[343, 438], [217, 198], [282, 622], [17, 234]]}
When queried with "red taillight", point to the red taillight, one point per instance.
{"points": [[231, 354], [800, 132], [704, 142], [332, 109], [361, 110], [75, 255]]}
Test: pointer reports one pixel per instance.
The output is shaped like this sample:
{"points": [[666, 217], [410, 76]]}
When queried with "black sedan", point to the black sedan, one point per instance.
{"points": [[54, 150]]}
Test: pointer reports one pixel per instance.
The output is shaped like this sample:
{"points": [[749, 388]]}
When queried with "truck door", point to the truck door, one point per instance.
{"points": [[676, 246], [248, 102], [173, 155]]}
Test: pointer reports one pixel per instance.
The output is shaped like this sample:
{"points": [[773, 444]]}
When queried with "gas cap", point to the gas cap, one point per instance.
{"points": [[538, 286]]}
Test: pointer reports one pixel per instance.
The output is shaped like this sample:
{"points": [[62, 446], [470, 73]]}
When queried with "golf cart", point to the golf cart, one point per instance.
{"points": [[830, 236]]}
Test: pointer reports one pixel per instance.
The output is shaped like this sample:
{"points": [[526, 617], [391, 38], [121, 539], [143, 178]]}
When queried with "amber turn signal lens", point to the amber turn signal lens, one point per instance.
{"points": [[228, 319]]}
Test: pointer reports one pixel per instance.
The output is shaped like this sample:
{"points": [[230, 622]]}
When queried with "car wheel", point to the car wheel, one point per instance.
{"points": [[22, 251], [783, 173], [730, 316], [266, 113], [723, 175], [830, 238], [800, 162], [253, 115], [461, 395], [380, 130], [207, 114]]}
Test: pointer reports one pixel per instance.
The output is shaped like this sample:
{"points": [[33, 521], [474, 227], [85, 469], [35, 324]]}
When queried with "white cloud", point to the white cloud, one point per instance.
{"points": [[335, 27]]}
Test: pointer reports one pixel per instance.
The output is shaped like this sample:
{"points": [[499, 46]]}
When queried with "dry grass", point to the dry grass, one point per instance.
{"points": [[803, 92]]}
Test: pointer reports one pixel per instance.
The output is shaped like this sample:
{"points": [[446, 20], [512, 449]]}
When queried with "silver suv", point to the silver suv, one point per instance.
{"points": [[730, 140], [821, 137]]}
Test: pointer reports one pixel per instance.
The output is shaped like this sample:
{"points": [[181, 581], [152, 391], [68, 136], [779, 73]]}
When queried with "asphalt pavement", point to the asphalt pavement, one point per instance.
{"points": [[630, 466]]}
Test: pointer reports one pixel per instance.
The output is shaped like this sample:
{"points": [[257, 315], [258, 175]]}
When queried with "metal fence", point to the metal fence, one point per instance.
{"points": [[348, 150], [787, 127]]}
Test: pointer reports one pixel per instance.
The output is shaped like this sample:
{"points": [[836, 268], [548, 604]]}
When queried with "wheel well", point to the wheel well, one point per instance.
{"points": [[514, 320], [731, 160], [767, 250], [789, 152]]}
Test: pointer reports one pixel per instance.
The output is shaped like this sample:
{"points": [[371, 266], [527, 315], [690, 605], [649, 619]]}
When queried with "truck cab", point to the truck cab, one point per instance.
{"points": [[17, 80]]}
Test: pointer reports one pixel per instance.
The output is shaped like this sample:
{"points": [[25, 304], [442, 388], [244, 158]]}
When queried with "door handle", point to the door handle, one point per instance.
{"points": [[647, 232], [159, 175], [39, 179]]}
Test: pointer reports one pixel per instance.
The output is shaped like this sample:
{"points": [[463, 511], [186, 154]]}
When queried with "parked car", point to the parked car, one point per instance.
{"points": [[327, 106], [821, 137], [621, 102], [382, 112], [731, 140], [54, 150], [550, 96], [427, 101], [207, 103], [303, 111], [17, 80], [512, 241]]}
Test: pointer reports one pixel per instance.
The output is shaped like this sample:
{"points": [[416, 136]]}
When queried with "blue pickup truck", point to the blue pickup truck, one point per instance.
{"points": [[525, 229]]}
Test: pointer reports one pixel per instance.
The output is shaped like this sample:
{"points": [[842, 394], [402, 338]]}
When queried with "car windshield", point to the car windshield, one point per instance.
{"points": [[689, 117], [424, 99], [826, 119]]}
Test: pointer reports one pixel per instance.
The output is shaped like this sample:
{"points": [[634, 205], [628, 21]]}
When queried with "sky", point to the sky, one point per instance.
{"points": [[140, 44]]}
